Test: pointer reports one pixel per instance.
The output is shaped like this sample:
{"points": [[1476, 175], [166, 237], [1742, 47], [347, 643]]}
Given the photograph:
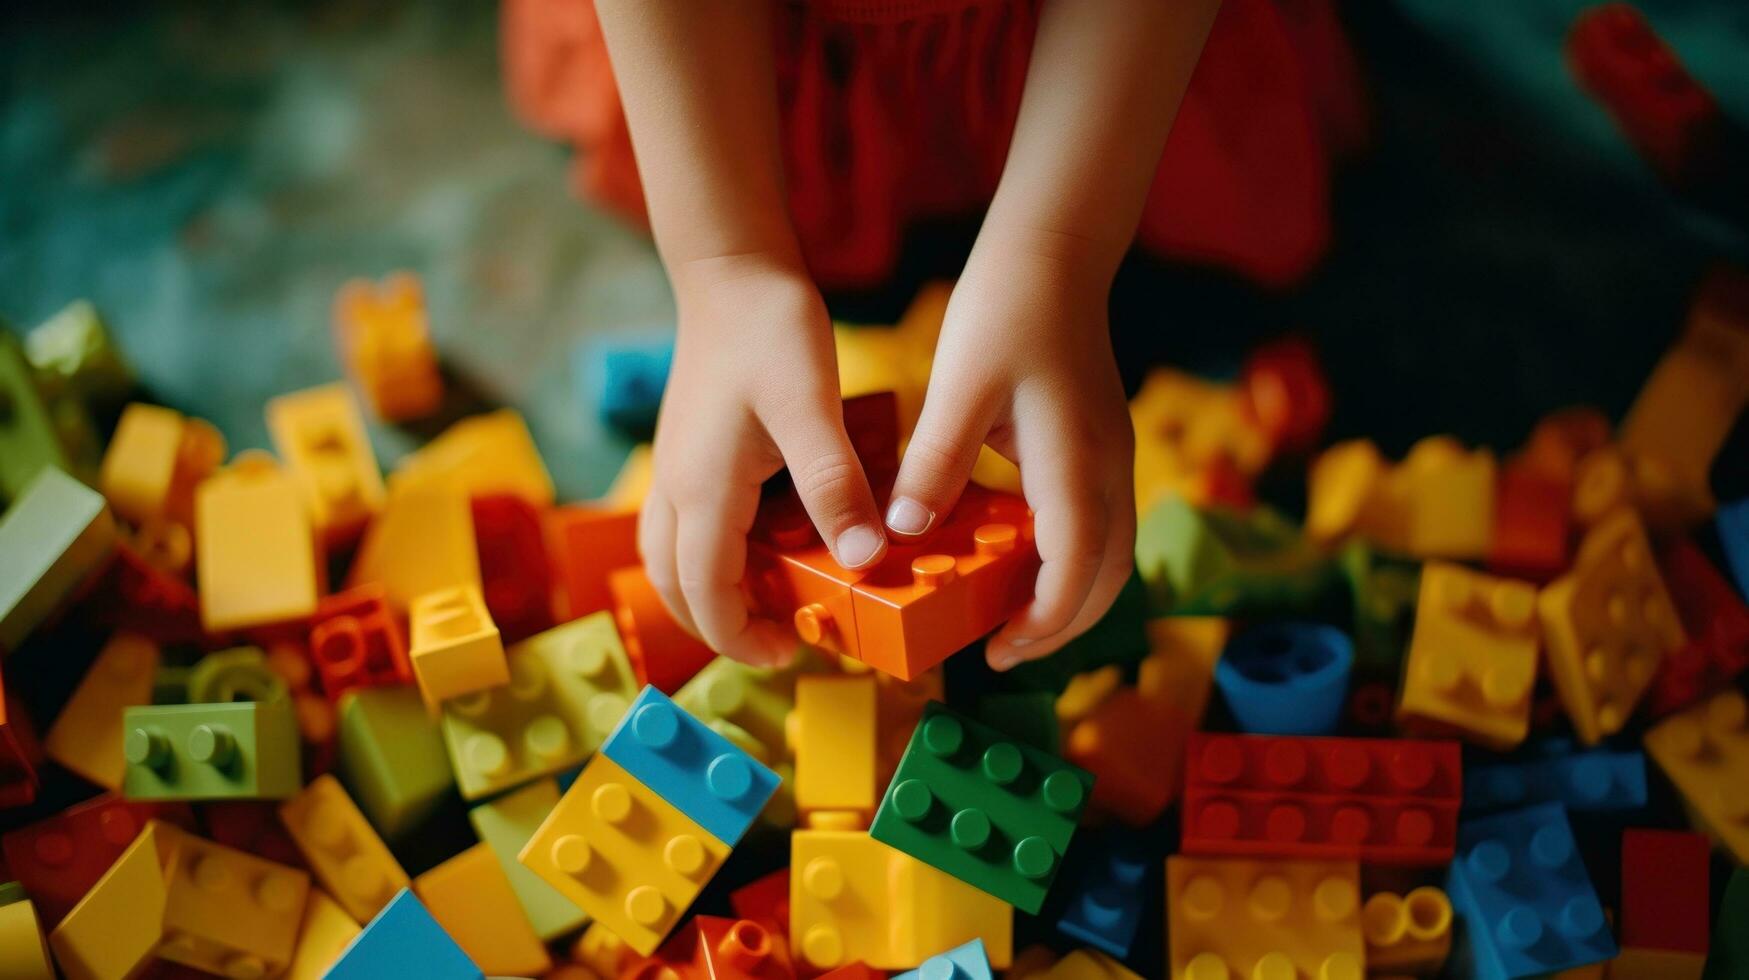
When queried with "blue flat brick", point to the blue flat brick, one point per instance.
{"points": [[403, 941], [1733, 524], [1594, 781], [1286, 678], [1521, 888], [1106, 894], [968, 962], [701, 773]]}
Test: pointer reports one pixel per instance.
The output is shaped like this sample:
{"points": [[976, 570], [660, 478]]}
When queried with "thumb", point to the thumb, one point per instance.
{"points": [[828, 478], [938, 462]]}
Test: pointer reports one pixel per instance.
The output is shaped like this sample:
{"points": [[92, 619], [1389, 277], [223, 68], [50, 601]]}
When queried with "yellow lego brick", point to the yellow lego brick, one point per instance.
{"points": [[1184, 426], [479, 456], [383, 338], [87, 734], [1230, 917], [116, 927], [140, 461], [1472, 657], [1704, 749], [623, 854], [424, 541], [1085, 692], [1656, 964], [1408, 933], [1087, 964], [454, 646], [1606, 625], [1179, 669], [1451, 494], [320, 435], [342, 848], [835, 744], [470, 897], [228, 912], [256, 554], [323, 934], [24, 952]]}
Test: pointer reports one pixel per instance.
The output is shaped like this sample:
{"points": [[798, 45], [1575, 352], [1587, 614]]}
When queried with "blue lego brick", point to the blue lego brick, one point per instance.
{"points": [[1106, 895], [1592, 781], [701, 773], [968, 962], [628, 377], [1286, 678], [1521, 888], [1733, 525], [403, 941]]}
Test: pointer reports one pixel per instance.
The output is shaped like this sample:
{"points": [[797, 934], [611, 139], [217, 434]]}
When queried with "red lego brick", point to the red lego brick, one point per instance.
{"points": [[516, 576], [134, 595], [1382, 801], [58, 859], [872, 422], [252, 826], [1717, 624], [356, 640], [661, 651], [1286, 393], [1665, 876], [742, 948], [1533, 520], [20, 754], [766, 899], [587, 543]]}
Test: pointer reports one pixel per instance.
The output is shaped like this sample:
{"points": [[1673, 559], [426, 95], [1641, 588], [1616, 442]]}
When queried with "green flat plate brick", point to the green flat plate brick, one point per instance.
{"points": [[982, 807], [245, 750], [28, 443], [59, 532], [505, 825], [391, 758]]}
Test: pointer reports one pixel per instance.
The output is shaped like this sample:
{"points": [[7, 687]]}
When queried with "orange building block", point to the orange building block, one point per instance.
{"points": [[321, 436], [661, 651], [342, 848], [1533, 518], [482, 456], [470, 897], [384, 342], [155, 460], [423, 542], [1229, 917], [588, 542], [454, 646], [1607, 624], [257, 555], [1472, 658], [1704, 749]]}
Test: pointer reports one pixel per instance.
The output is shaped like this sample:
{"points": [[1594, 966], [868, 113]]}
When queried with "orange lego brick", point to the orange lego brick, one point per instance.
{"points": [[87, 734], [320, 435], [480, 456], [454, 647], [1263, 919], [1533, 518], [384, 342], [1704, 749], [323, 934], [470, 897], [1408, 933], [117, 927], [227, 912], [834, 743], [1607, 624], [587, 543], [256, 551], [792, 576], [342, 848], [661, 651], [155, 460], [424, 541], [1472, 657]]}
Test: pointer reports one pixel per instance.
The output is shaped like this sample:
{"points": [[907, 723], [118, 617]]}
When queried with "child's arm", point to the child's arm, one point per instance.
{"points": [[1025, 362], [755, 381]]}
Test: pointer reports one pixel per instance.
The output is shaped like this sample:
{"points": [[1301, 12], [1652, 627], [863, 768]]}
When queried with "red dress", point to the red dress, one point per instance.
{"points": [[902, 110]]}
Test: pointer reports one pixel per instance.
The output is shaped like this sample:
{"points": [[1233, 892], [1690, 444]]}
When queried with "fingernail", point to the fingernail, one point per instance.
{"points": [[907, 516], [857, 545], [1004, 662]]}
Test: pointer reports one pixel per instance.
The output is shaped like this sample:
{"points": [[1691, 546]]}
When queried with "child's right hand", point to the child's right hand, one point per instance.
{"points": [[754, 388]]}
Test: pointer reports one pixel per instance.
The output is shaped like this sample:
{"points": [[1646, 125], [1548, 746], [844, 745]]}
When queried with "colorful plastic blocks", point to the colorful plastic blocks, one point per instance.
{"points": [[54, 536], [241, 750], [1221, 563], [662, 652], [1379, 800], [256, 553], [966, 962], [1704, 750], [58, 859], [321, 437], [1407, 933], [1240, 918], [391, 755], [1286, 678], [87, 735], [588, 542], [454, 645], [384, 342], [1472, 657], [404, 940], [835, 745], [357, 641], [1106, 894], [1596, 780], [506, 824], [154, 461], [344, 851]]}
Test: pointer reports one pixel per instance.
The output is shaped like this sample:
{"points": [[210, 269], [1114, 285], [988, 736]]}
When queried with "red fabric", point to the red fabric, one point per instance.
{"points": [[899, 110]]}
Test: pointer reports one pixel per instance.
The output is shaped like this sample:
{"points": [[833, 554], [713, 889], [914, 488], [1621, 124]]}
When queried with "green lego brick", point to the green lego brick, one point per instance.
{"points": [[505, 825], [1728, 959], [1383, 591], [505, 736], [237, 674], [391, 758], [28, 440], [57, 534], [73, 354], [1030, 716], [1120, 637], [246, 750], [590, 669], [982, 807], [1220, 563], [757, 700]]}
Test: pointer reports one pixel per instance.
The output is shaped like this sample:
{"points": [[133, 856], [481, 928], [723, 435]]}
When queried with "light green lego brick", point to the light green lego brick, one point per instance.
{"points": [[58, 532], [28, 441], [507, 735], [756, 699], [391, 758], [240, 751], [591, 673], [237, 674], [72, 352], [1220, 563], [505, 825]]}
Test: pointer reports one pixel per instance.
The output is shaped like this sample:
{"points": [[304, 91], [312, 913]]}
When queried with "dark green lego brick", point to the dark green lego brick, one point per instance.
{"points": [[1383, 591], [1728, 959], [392, 758], [1120, 637], [29, 442], [1030, 716], [1218, 562], [246, 750], [985, 808]]}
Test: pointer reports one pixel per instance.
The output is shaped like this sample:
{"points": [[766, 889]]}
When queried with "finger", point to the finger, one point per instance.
{"points": [[711, 552], [656, 527], [938, 459], [830, 482], [1114, 571]]}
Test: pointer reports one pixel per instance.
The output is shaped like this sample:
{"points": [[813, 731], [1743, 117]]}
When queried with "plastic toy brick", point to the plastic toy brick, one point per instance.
{"points": [[1665, 907], [506, 824], [1186, 425], [480, 456], [454, 645], [1106, 891], [791, 576], [404, 940], [252, 826], [854, 971], [1119, 637], [1520, 887], [1729, 957], [1452, 494], [966, 962], [1704, 749], [28, 439], [1286, 678], [24, 951], [592, 670], [392, 758], [898, 708], [515, 576], [117, 926], [384, 341], [1606, 625], [87, 735], [242, 750], [1217, 562], [1085, 964], [700, 773], [1533, 519], [1030, 716], [1717, 624], [757, 700], [504, 736], [423, 542], [1349, 493], [73, 353], [622, 853], [835, 745], [346, 854], [134, 596], [1408, 933], [765, 899], [1285, 393], [20, 754], [56, 534], [1383, 591], [1472, 658], [58, 859], [586, 542], [662, 653], [256, 553], [155, 460], [357, 641], [601, 950], [320, 435], [323, 934], [1231, 917], [1732, 523], [1595, 780], [742, 948], [237, 674], [628, 378], [1381, 801], [227, 912], [471, 898], [977, 805]]}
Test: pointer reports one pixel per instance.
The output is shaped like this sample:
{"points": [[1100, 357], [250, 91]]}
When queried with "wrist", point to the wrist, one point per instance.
{"points": [[1074, 260]]}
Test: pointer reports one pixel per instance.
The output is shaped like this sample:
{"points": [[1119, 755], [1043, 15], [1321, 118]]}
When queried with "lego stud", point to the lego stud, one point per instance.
{"points": [[585, 657], [745, 945], [1348, 765], [570, 853], [1429, 913], [1274, 966], [823, 878], [1203, 898], [1384, 920], [1340, 966], [1519, 928], [117, 826], [281, 893], [1207, 966], [728, 777], [656, 726], [1102, 906], [823, 947], [995, 539], [1285, 823], [1411, 768], [1551, 846], [326, 824], [1002, 763], [546, 738], [611, 803], [932, 571], [52, 848], [486, 754], [1285, 763], [1218, 820], [684, 854], [646, 906], [1580, 918], [1271, 897], [528, 678], [1335, 899], [943, 735], [813, 623], [1034, 858], [210, 873], [605, 710], [244, 966], [1513, 605], [912, 800], [212, 745], [940, 968], [1223, 760], [725, 694], [1062, 792], [1490, 861], [1590, 779], [1504, 686], [969, 830], [339, 645], [149, 747], [1351, 825], [1442, 671]]}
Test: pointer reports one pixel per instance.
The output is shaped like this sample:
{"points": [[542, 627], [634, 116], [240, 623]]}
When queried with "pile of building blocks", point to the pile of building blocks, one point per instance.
{"points": [[1480, 714]]}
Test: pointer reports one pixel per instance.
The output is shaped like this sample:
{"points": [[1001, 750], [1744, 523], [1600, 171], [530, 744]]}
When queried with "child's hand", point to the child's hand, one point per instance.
{"points": [[754, 388], [1025, 365]]}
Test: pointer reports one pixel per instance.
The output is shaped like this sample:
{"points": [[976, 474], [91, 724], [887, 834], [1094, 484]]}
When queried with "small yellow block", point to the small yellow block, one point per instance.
{"points": [[116, 927], [1408, 933], [324, 933], [470, 897], [87, 734], [424, 541], [256, 552], [155, 460], [835, 744], [228, 912], [455, 646], [344, 851], [1233, 917], [1704, 749], [24, 953], [1472, 657], [479, 456], [320, 434], [1451, 494]]}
